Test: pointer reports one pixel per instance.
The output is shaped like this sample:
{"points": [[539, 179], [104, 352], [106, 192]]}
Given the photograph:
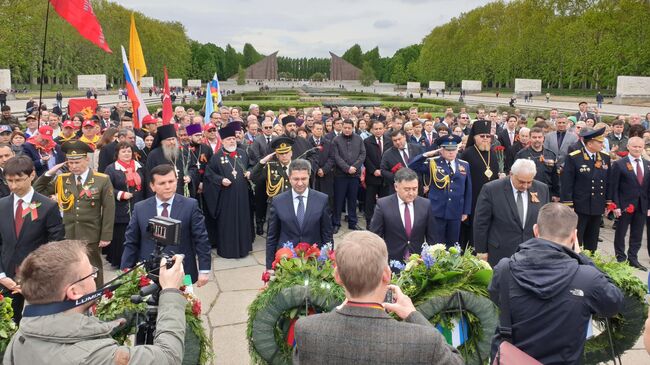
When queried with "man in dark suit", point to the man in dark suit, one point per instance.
{"points": [[299, 214], [260, 148], [583, 114], [506, 212], [403, 219], [322, 163], [629, 184], [508, 137], [5, 154], [360, 331], [397, 157], [194, 242], [375, 145], [35, 220]]}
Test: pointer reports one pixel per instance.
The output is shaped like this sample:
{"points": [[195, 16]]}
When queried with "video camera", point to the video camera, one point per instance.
{"points": [[165, 231]]}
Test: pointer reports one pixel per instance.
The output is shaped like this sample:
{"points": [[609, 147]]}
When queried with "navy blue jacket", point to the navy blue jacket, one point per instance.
{"points": [[584, 183], [283, 224], [194, 243], [30, 150], [454, 200], [553, 293], [625, 188]]}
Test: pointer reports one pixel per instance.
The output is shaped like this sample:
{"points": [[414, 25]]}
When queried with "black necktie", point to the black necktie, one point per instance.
{"points": [[451, 170], [406, 157], [79, 182]]}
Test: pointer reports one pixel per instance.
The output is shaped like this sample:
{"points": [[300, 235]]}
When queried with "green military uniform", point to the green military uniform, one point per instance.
{"points": [[273, 174], [88, 209]]}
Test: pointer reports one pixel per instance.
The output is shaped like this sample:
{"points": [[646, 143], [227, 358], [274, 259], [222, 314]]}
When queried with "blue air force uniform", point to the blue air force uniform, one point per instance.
{"points": [[450, 190]]}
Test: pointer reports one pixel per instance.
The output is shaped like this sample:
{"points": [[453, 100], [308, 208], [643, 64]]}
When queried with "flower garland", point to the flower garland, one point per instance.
{"points": [[303, 284], [118, 304], [625, 327], [445, 285], [7, 325]]}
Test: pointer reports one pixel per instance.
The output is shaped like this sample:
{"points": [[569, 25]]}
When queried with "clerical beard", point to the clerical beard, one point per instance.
{"points": [[170, 153], [292, 134], [230, 148]]}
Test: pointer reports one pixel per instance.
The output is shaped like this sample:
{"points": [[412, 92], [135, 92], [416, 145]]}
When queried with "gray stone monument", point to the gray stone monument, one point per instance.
{"points": [[175, 82], [146, 82], [193, 83], [630, 89], [413, 86], [471, 86], [97, 82], [437, 85], [5, 79], [527, 86]]}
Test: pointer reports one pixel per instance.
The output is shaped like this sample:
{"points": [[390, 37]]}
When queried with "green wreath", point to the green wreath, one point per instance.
{"points": [[482, 319], [267, 325]]}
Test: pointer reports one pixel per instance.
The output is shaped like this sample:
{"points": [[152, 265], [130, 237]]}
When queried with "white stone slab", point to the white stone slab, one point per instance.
{"points": [[193, 83], [5, 79], [632, 86], [413, 86], [146, 82], [175, 82], [437, 85], [471, 86], [528, 85], [97, 82]]}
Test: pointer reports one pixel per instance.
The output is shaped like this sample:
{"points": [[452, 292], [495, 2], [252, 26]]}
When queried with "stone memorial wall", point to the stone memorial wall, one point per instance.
{"points": [[175, 82], [146, 82], [413, 86], [5, 79], [97, 82], [436, 85], [528, 86], [471, 86]]}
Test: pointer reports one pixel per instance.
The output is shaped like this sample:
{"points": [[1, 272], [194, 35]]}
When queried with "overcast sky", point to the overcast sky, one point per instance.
{"points": [[308, 28]]}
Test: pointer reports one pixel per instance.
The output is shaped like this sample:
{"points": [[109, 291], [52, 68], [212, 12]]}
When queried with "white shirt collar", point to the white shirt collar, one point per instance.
{"points": [[119, 167], [632, 159], [84, 176], [294, 195], [160, 202], [26, 199], [400, 201], [514, 190]]}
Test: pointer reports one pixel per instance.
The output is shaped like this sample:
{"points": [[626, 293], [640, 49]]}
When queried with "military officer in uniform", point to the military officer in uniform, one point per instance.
{"points": [[86, 199], [450, 188], [584, 186], [271, 171], [545, 162]]}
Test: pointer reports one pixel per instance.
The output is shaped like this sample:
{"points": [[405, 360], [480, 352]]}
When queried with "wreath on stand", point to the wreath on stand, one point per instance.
{"points": [[450, 290], [624, 329], [303, 285], [7, 325], [117, 304]]}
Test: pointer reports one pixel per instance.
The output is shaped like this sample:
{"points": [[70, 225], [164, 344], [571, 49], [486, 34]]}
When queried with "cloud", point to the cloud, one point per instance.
{"points": [[383, 23], [299, 29]]}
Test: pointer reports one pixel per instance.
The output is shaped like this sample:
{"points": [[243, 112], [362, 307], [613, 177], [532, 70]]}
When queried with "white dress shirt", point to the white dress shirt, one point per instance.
{"points": [[524, 197], [634, 163], [401, 211], [159, 207], [27, 199], [296, 200], [84, 176]]}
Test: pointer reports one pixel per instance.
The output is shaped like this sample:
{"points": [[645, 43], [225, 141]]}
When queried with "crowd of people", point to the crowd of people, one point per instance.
{"points": [[479, 181]]}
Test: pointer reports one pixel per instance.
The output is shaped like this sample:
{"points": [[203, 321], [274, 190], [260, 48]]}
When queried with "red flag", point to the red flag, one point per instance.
{"points": [[79, 13], [86, 107], [168, 113]]}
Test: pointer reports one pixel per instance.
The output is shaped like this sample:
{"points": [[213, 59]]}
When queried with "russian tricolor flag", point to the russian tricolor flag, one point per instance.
{"points": [[139, 108]]}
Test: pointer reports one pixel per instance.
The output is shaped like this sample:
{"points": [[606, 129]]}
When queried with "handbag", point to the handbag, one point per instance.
{"points": [[507, 353]]}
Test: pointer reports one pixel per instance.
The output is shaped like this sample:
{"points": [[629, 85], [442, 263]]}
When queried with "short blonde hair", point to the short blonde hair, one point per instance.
{"points": [[361, 259]]}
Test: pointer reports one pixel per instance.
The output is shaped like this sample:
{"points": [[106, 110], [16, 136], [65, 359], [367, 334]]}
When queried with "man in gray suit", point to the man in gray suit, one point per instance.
{"points": [[506, 212], [560, 140], [360, 331]]}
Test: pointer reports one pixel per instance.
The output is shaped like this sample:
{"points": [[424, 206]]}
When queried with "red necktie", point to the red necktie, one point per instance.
{"points": [[18, 220], [381, 146], [407, 220], [165, 212], [639, 172]]}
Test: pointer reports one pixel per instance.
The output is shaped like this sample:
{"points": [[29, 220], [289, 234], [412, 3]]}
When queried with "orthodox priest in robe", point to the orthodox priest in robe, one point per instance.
{"points": [[166, 150], [483, 167], [226, 189]]}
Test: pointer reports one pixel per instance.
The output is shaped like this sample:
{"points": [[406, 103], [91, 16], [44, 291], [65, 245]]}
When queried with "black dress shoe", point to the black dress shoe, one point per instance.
{"points": [[260, 231], [335, 229], [637, 265], [355, 228]]}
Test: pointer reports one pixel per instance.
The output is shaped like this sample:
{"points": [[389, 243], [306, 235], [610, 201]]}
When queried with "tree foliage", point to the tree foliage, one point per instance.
{"points": [[354, 55], [367, 74], [302, 68]]}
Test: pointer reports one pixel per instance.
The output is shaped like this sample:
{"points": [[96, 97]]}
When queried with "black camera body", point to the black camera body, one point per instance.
{"points": [[165, 231]]}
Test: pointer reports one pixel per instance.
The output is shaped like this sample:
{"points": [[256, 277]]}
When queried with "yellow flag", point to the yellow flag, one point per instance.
{"points": [[136, 58]]}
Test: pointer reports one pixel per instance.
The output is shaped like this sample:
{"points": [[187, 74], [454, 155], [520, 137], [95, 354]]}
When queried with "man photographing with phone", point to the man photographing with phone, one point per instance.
{"points": [[360, 331], [61, 271]]}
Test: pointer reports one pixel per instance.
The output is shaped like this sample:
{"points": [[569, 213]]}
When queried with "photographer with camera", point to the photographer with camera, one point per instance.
{"points": [[60, 273], [360, 331]]}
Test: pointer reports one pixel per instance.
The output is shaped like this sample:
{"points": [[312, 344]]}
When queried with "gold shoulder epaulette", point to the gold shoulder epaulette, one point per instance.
{"points": [[576, 152], [99, 174]]}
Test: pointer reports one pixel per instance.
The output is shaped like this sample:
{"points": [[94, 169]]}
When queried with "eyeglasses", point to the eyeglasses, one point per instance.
{"points": [[91, 275], [485, 135], [268, 127], [464, 118], [212, 130], [16, 181]]}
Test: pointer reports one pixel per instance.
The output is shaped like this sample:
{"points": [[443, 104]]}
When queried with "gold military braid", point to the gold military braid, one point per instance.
{"points": [[65, 202], [441, 183], [273, 189]]}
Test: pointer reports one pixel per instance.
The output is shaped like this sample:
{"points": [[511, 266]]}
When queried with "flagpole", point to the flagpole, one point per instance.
{"points": [[40, 95]]}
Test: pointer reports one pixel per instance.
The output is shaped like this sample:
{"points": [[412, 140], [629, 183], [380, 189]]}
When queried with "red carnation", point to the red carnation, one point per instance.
{"points": [[629, 209], [283, 253], [266, 276], [108, 294], [313, 251], [144, 281], [196, 308], [331, 255], [301, 248], [499, 148], [320, 148], [2, 297], [396, 167], [622, 153], [611, 207], [233, 154]]}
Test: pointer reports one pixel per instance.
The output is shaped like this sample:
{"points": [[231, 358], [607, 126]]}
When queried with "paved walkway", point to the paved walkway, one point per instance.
{"points": [[235, 283]]}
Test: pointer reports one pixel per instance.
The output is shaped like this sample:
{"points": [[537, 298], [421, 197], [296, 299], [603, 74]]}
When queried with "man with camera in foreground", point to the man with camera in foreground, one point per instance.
{"points": [[360, 331], [60, 272]]}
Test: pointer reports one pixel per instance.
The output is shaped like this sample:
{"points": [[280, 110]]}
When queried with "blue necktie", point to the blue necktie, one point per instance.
{"points": [[300, 214]]}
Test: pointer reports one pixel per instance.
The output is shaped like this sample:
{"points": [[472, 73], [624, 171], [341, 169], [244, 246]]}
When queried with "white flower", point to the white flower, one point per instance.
{"points": [[433, 250], [485, 264], [409, 265]]}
